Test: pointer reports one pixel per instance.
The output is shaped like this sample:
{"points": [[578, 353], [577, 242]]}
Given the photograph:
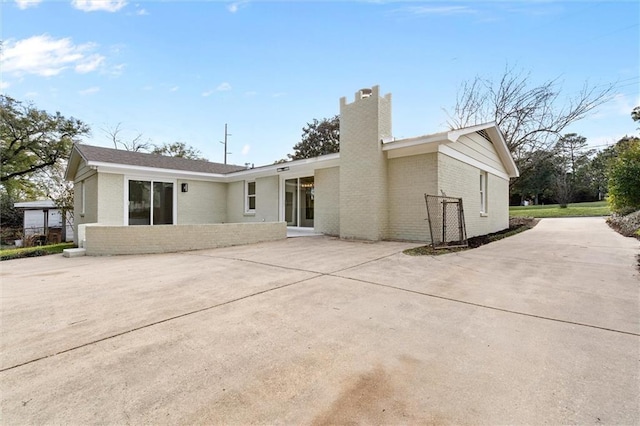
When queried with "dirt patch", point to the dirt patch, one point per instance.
{"points": [[516, 225]]}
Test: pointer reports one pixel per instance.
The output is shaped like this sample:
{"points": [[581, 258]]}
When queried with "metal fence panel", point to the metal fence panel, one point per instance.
{"points": [[446, 221]]}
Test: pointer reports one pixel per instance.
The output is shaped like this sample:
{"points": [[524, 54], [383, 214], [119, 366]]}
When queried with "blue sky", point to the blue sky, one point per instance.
{"points": [[179, 70]]}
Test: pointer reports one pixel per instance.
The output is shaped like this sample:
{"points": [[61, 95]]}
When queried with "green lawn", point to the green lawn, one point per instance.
{"points": [[17, 253], [596, 208]]}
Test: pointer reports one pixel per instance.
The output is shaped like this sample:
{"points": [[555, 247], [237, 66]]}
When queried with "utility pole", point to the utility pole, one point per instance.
{"points": [[225, 143]]}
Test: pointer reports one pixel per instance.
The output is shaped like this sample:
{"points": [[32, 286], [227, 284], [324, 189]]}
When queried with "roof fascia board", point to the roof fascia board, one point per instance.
{"points": [[298, 166], [307, 165], [74, 161], [444, 149], [425, 148], [153, 171], [454, 135], [35, 205], [410, 142], [497, 139], [503, 151], [85, 175]]}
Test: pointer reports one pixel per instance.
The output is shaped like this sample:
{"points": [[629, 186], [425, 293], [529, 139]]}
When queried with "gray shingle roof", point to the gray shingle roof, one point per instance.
{"points": [[117, 156]]}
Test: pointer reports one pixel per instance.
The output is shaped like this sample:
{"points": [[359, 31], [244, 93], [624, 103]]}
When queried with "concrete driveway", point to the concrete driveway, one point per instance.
{"points": [[543, 327]]}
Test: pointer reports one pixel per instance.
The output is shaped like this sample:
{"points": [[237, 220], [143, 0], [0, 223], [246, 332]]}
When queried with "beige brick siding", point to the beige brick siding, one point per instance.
{"points": [[204, 202], [90, 214], [267, 193], [327, 201], [267, 208], [458, 179], [409, 179], [498, 201], [110, 199], [235, 203], [117, 240], [363, 167]]}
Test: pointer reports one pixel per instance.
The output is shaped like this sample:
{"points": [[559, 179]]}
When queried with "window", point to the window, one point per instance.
{"points": [[82, 197], [483, 192], [150, 203], [250, 201]]}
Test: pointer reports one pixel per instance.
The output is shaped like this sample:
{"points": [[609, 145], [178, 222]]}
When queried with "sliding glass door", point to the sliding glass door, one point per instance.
{"points": [[299, 201], [150, 207]]}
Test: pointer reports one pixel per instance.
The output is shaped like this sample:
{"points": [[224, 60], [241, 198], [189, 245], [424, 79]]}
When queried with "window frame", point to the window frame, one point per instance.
{"points": [[248, 196], [83, 195], [152, 180], [484, 200]]}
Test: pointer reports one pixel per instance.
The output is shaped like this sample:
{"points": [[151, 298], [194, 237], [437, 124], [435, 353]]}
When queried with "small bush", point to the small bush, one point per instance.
{"points": [[20, 253], [624, 179]]}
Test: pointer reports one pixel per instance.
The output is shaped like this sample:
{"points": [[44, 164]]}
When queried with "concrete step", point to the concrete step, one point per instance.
{"points": [[74, 252]]}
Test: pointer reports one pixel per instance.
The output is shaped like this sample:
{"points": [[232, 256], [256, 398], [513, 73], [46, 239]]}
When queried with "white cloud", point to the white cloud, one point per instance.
{"points": [[437, 10], [30, 95], [174, 89], [246, 149], [625, 104], [4, 85], [25, 4], [117, 70], [99, 5], [89, 91], [223, 87], [207, 93], [45, 56], [236, 6], [92, 63]]}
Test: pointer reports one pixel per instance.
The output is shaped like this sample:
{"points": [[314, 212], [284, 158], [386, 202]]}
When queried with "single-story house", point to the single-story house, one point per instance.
{"points": [[44, 218], [373, 189]]}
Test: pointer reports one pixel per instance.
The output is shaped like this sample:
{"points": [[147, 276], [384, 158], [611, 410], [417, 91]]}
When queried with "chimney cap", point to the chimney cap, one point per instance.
{"points": [[365, 93]]}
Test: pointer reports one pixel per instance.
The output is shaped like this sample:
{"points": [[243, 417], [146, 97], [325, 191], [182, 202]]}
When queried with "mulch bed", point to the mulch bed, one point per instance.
{"points": [[516, 225]]}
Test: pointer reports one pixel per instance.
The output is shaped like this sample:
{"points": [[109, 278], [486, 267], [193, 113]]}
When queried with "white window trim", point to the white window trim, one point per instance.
{"points": [[83, 194], [484, 177], [150, 179], [247, 210]]}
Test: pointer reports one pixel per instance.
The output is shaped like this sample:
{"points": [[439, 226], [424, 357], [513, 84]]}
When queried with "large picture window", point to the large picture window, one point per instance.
{"points": [[150, 203]]}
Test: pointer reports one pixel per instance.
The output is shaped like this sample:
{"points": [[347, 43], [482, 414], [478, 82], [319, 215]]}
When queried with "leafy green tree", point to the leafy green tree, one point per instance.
{"points": [[635, 114], [572, 158], [318, 138], [537, 180], [598, 168], [32, 140], [178, 149], [624, 177], [10, 217]]}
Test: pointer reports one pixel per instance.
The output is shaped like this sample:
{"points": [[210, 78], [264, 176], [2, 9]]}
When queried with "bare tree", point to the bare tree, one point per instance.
{"points": [[530, 117], [136, 144]]}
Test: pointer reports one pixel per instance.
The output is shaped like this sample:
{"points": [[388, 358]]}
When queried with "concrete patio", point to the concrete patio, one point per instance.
{"points": [[542, 327]]}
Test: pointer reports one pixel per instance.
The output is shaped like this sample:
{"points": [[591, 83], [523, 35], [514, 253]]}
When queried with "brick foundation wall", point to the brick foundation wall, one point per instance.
{"points": [[116, 240]]}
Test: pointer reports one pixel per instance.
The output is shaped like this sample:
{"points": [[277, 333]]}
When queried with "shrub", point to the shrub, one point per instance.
{"points": [[624, 179]]}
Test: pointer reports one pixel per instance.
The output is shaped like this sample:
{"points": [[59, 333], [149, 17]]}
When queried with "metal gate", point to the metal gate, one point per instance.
{"points": [[446, 221]]}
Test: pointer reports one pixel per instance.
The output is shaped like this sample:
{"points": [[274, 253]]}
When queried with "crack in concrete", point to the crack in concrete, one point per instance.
{"points": [[317, 274]]}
